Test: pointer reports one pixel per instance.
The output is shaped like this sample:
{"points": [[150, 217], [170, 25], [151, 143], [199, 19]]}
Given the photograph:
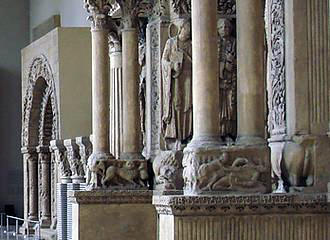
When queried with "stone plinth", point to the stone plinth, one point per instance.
{"points": [[116, 215], [244, 217]]}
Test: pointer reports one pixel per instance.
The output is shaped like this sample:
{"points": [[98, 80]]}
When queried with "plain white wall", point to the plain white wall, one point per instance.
{"points": [[71, 11]]}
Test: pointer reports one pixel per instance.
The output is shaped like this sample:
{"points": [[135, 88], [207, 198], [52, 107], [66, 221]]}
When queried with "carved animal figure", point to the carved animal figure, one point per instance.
{"points": [[210, 173], [297, 166], [128, 173]]}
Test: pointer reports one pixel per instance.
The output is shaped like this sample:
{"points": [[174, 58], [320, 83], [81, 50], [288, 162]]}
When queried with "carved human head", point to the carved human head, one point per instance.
{"points": [[184, 30], [225, 27]]}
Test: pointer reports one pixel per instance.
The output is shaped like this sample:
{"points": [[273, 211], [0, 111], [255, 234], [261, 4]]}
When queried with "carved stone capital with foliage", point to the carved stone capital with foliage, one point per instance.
{"points": [[99, 13], [130, 10]]}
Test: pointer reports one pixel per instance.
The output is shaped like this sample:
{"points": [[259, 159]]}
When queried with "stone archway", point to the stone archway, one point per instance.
{"points": [[39, 127]]}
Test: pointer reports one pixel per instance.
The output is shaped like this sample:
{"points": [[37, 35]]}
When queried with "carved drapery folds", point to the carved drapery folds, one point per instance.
{"points": [[276, 67], [177, 88], [227, 79]]}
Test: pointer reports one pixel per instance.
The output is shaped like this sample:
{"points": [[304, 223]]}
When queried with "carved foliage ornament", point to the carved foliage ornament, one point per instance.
{"points": [[227, 7], [39, 68], [181, 6], [99, 10], [276, 67]]}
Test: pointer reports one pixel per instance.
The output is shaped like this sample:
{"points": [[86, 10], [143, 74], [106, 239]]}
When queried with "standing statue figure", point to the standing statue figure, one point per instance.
{"points": [[227, 80], [177, 88]]}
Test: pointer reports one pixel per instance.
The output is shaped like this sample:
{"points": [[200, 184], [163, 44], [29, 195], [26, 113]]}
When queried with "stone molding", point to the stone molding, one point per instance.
{"points": [[209, 205], [111, 197]]}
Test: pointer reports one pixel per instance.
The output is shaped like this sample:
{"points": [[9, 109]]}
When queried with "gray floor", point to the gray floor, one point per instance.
{"points": [[12, 236]]}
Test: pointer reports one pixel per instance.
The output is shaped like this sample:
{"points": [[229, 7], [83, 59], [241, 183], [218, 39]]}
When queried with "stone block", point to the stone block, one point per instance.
{"points": [[119, 215]]}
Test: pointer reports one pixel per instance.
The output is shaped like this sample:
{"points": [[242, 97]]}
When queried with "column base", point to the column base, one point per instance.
{"points": [[247, 217], [239, 169], [113, 214], [45, 222]]}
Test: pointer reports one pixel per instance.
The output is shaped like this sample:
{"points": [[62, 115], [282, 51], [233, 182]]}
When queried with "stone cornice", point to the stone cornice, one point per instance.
{"points": [[111, 197], [239, 204]]}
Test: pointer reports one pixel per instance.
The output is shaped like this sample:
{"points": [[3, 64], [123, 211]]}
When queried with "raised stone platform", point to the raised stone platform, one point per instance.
{"points": [[113, 214], [244, 217]]}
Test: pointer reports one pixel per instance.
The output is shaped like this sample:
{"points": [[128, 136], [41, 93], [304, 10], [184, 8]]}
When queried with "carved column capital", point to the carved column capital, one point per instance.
{"points": [[130, 10], [73, 156], [85, 150], [57, 146], [99, 13]]}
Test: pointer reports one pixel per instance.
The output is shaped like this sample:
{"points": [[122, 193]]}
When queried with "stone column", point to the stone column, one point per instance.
{"points": [[206, 134], [250, 78], [30, 158], [99, 10], [131, 110], [116, 94], [205, 75], [44, 197]]}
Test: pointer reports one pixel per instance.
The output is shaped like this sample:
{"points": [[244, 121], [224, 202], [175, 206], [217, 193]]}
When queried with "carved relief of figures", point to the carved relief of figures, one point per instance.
{"points": [[62, 163], [177, 87], [224, 173], [124, 174], [76, 165], [227, 80]]}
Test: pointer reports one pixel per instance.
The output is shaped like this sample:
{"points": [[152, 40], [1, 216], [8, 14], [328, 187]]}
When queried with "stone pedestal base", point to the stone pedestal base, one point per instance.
{"points": [[243, 217], [240, 169], [119, 215]]}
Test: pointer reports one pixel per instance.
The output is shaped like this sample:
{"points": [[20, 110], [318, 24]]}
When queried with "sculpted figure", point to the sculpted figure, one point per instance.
{"points": [[177, 88], [227, 80]]}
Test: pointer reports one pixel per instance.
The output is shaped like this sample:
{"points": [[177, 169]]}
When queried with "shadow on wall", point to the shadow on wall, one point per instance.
{"points": [[11, 169]]}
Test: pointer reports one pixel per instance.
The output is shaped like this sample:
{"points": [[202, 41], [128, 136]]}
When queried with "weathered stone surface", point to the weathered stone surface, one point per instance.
{"points": [[249, 217], [114, 214]]}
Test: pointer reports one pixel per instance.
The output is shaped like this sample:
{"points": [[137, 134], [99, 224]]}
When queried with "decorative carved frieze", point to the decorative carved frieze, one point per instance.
{"points": [[237, 204], [111, 197], [275, 26]]}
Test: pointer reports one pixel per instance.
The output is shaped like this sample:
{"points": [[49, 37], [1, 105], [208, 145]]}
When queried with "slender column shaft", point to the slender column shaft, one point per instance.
{"points": [[205, 76], [250, 54], [131, 109], [100, 92], [44, 159], [32, 159]]}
